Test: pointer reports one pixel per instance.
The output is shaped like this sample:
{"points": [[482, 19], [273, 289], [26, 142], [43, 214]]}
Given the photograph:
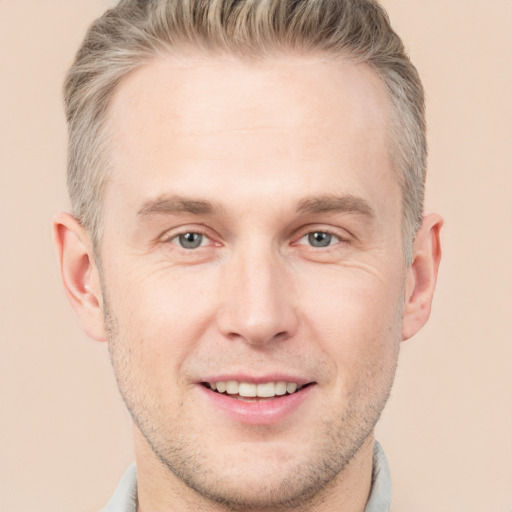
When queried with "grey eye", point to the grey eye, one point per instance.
{"points": [[320, 239], [190, 240]]}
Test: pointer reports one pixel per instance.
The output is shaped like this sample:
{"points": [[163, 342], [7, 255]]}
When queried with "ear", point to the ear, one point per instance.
{"points": [[79, 273], [422, 275]]}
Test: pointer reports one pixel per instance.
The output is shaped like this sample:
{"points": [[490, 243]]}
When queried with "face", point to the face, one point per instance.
{"points": [[252, 246]]}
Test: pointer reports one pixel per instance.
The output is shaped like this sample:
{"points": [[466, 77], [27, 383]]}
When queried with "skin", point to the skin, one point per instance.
{"points": [[254, 157]]}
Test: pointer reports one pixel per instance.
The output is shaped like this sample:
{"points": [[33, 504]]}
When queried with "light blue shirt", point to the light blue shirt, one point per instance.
{"points": [[125, 497]]}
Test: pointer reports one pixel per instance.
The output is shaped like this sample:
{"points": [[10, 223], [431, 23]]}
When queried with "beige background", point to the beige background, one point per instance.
{"points": [[447, 431]]}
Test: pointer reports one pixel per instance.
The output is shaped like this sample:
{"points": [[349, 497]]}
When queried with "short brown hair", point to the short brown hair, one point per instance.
{"points": [[135, 31]]}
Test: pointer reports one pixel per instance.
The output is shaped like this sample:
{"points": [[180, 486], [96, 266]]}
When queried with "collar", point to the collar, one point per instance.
{"points": [[380, 494]]}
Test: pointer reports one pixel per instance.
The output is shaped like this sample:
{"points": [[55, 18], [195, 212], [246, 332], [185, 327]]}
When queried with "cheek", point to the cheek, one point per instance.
{"points": [[161, 315], [355, 315]]}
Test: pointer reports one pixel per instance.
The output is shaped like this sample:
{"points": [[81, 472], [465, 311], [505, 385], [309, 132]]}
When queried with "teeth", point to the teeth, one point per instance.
{"points": [[280, 388], [232, 387], [267, 390], [247, 389], [291, 387]]}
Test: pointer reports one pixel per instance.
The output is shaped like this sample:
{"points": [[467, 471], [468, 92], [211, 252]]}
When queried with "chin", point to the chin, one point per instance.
{"points": [[265, 476], [270, 491]]}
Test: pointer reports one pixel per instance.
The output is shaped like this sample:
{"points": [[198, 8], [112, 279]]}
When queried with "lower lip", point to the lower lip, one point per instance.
{"points": [[258, 412]]}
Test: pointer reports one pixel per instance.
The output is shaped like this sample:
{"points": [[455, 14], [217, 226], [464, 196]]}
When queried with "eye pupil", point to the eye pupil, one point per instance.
{"points": [[190, 240], [319, 239]]}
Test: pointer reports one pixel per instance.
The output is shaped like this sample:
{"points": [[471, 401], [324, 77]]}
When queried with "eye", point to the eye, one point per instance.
{"points": [[190, 240], [320, 239]]}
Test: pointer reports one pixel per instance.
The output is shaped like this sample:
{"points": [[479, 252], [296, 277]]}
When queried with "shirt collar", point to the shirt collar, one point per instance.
{"points": [[380, 494], [125, 497]]}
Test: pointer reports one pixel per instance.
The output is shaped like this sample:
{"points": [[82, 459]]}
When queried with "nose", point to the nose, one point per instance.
{"points": [[257, 298]]}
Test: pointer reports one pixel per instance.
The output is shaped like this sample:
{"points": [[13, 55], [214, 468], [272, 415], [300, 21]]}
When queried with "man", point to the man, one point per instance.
{"points": [[248, 236]]}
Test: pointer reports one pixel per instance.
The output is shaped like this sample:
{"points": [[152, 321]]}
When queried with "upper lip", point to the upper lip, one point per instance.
{"points": [[256, 379]]}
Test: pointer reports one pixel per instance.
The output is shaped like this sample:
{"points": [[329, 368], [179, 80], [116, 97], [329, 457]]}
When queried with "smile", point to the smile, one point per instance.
{"points": [[265, 402], [252, 390]]}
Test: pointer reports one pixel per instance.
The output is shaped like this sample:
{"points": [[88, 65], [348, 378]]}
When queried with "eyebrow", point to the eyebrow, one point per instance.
{"points": [[336, 204], [173, 205], [169, 205]]}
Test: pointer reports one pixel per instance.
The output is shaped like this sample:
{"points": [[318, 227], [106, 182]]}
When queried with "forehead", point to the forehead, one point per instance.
{"points": [[176, 120]]}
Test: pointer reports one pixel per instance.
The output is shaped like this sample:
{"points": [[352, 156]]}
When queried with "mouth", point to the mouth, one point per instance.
{"points": [[257, 401], [250, 392]]}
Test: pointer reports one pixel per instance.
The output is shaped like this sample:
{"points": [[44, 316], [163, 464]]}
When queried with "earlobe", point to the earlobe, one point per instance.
{"points": [[79, 273], [422, 275]]}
